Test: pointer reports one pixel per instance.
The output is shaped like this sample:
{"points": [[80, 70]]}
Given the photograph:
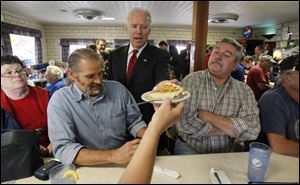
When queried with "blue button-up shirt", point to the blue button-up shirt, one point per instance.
{"points": [[105, 123]]}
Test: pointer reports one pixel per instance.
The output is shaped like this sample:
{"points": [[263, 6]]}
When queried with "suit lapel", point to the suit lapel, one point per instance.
{"points": [[143, 60]]}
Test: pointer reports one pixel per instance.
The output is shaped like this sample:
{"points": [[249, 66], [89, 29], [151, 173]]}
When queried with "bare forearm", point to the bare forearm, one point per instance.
{"points": [[140, 168], [141, 132], [223, 123], [88, 157], [281, 145], [216, 131]]}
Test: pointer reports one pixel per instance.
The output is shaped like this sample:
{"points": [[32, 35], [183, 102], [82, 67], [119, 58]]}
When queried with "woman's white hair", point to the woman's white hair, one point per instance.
{"points": [[55, 71]]}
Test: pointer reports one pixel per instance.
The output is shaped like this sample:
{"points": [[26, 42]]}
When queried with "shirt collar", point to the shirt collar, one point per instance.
{"points": [[80, 96], [229, 80], [140, 49]]}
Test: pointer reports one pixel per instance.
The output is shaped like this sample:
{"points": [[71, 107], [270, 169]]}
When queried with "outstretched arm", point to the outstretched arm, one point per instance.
{"points": [[140, 168]]}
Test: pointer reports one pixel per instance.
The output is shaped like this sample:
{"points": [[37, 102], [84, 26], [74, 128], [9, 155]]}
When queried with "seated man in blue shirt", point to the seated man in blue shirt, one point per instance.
{"points": [[90, 120], [279, 110]]}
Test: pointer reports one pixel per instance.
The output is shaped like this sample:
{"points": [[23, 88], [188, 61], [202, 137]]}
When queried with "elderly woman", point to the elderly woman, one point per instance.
{"points": [[23, 106], [55, 79]]}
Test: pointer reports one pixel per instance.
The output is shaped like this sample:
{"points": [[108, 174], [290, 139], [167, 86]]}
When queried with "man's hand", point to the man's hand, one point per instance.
{"points": [[124, 154], [50, 149]]}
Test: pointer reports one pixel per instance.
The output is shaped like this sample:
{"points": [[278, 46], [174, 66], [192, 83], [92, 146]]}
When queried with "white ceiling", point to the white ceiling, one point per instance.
{"points": [[164, 13]]}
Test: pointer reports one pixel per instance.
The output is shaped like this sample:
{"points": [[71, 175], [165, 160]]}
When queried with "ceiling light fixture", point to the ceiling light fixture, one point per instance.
{"points": [[223, 18], [87, 14], [90, 15]]}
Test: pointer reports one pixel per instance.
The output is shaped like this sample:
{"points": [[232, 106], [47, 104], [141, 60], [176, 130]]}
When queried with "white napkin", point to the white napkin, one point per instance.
{"points": [[224, 179], [167, 172]]}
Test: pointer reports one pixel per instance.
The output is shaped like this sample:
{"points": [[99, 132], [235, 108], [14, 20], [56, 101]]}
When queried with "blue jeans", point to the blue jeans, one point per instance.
{"points": [[182, 148]]}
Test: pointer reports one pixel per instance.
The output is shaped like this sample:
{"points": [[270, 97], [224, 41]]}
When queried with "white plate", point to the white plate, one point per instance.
{"points": [[146, 98]]}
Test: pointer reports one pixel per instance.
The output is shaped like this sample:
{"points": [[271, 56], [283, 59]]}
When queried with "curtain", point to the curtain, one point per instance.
{"points": [[38, 50], [7, 29], [65, 46]]}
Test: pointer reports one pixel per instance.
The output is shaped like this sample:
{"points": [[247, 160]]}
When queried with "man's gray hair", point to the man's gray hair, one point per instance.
{"points": [[82, 53], [238, 47], [144, 11]]}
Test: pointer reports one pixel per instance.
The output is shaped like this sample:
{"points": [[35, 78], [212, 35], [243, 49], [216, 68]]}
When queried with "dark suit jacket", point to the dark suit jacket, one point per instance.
{"points": [[183, 54], [150, 69]]}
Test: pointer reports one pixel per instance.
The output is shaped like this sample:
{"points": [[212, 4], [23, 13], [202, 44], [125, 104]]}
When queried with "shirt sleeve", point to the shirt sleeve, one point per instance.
{"points": [[189, 123], [259, 76], [271, 117], [62, 132], [247, 122], [134, 118]]}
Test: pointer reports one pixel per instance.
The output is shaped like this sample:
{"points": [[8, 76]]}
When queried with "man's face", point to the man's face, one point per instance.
{"points": [[188, 46], [89, 77], [222, 60], [258, 51], [101, 45], [13, 77], [266, 65], [164, 47], [138, 29], [267, 47]]}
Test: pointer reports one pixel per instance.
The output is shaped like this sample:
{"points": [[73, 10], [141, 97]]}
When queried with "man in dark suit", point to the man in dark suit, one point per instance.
{"points": [[151, 65], [185, 56], [268, 50]]}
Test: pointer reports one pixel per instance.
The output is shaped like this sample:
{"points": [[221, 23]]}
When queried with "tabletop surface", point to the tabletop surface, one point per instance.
{"points": [[193, 169]]}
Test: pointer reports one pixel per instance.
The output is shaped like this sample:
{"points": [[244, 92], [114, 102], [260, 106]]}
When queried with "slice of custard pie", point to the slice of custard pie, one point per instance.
{"points": [[167, 90]]}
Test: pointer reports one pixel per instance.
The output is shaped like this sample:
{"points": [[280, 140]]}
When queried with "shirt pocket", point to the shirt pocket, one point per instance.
{"points": [[118, 123]]}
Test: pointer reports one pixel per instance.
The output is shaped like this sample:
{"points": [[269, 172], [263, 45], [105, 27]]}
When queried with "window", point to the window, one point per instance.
{"points": [[24, 48], [179, 44], [69, 45], [180, 47], [73, 47]]}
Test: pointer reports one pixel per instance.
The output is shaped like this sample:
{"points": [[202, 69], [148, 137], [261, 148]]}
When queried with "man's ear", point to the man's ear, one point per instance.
{"points": [[71, 74]]}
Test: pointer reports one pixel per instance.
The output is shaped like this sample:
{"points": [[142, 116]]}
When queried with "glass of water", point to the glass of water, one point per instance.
{"points": [[57, 174]]}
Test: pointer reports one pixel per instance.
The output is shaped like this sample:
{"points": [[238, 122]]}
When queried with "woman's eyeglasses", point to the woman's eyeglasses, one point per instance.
{"points": [[11, 74]]}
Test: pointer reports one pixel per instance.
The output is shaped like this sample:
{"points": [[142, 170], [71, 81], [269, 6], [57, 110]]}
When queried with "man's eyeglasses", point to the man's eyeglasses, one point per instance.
{"points": [[11, 74]]}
